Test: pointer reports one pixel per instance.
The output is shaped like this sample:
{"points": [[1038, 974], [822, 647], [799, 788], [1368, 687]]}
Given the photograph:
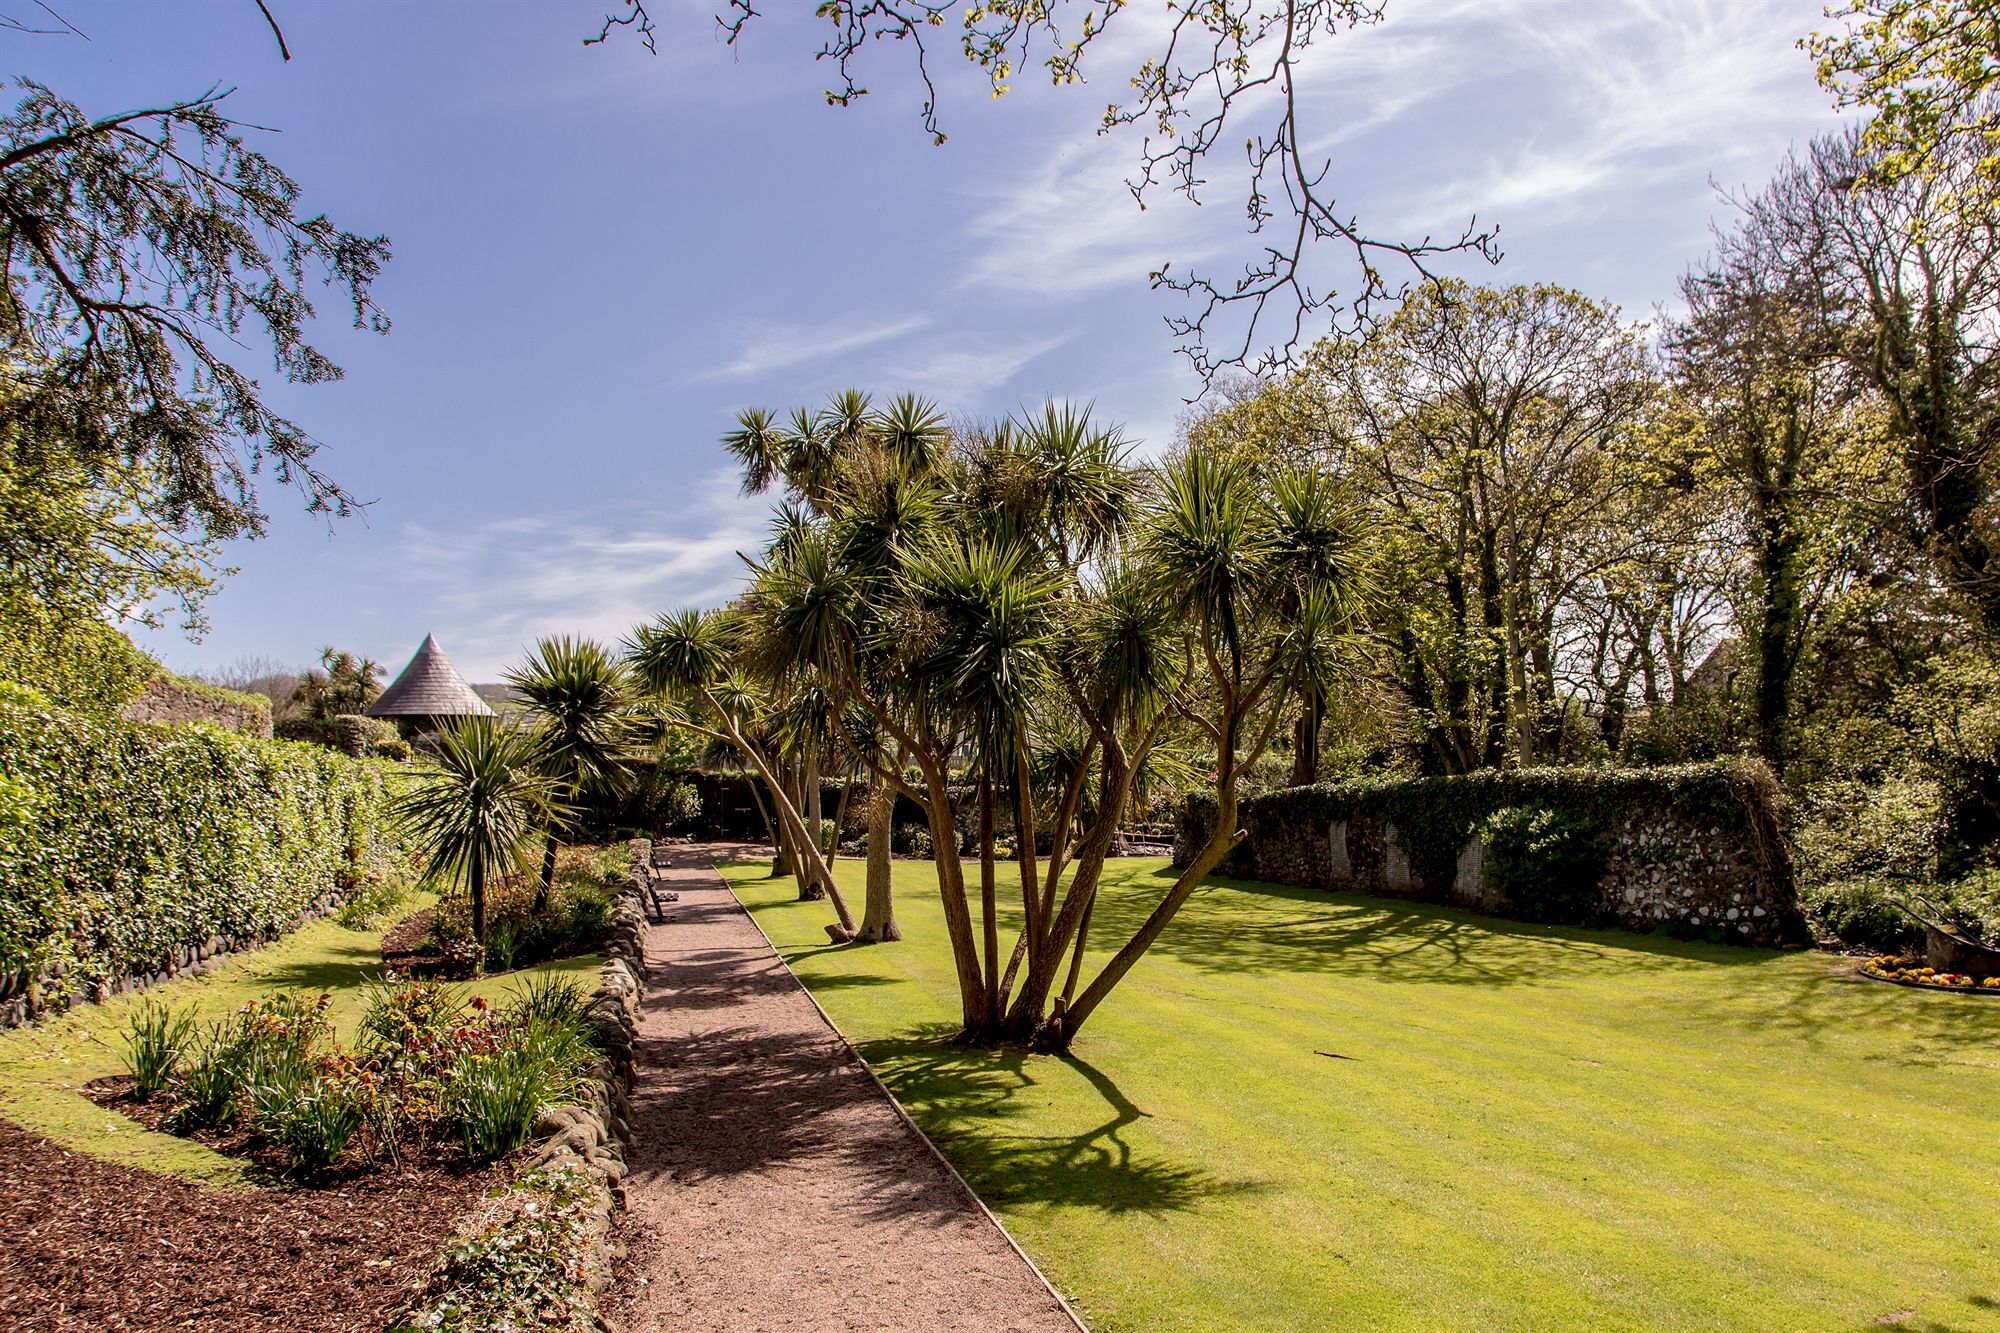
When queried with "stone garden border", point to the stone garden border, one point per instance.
{"points": [[545, 1239], [21, 997]]}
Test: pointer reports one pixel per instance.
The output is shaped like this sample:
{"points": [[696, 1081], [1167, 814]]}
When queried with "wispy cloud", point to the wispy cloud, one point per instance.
{"points": [[496, 585], [962, 369], [1608, 101], [1066, 228], [766, 348]]}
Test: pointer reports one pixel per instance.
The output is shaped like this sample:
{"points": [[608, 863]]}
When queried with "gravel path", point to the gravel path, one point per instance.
{"points": [[774, 1185]]}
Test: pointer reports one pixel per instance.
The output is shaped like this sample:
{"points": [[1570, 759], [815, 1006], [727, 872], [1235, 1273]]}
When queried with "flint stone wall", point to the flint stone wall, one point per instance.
{"points": [[1696, 850]]}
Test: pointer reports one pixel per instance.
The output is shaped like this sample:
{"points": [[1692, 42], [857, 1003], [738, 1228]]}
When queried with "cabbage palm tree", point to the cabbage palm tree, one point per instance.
{"points": [[686, 659], [580, 699], [475, 811]]}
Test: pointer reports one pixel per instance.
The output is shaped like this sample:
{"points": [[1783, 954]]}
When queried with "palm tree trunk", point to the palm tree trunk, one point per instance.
{"points": [[764, 813], [810, 890], [839, 820], [878, 912], [988, 894], [476, 878], [546, 888]]}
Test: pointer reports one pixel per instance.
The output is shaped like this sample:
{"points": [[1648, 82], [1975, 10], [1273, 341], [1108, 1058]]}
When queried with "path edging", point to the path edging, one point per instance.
{"points": [[903, 1115]]}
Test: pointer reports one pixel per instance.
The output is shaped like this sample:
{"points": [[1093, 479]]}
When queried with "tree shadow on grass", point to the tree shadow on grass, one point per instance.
{"points": [[1237, 925], [968, 1100], [348, 967]]}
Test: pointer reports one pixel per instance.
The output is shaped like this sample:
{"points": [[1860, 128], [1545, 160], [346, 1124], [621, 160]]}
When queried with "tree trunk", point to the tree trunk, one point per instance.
{"points": [[546, 888], [811, 866], [1305, 740], [989, 898], [1778, 557], [476, 877], [809, 806], [878, 911], [770, 829]]}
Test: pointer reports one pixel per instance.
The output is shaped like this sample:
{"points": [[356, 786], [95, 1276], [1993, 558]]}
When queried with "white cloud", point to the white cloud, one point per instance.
{"points": [[495, 586], [961, 369], [1605, 101], [770, 347]]}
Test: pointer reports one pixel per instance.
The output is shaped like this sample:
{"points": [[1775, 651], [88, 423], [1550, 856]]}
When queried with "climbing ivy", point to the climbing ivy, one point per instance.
{"points": [[122, 843], [1436, 817]]}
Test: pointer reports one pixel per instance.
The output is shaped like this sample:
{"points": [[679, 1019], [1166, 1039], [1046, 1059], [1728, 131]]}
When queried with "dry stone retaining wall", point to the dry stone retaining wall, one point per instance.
{"points": [[168, 702], [580, 1144], [1695, 850]]}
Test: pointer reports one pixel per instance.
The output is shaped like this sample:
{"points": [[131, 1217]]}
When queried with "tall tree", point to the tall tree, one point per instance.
{"points": [[1904, 276], [1485, 429]]}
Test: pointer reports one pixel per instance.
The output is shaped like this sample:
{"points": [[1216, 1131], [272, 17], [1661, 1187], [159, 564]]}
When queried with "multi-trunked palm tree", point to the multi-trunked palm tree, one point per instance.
{"points": [[1016, 604]]}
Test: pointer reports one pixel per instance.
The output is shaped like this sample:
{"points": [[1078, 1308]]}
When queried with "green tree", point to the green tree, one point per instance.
{"points": [[1018, 596], [1927, 70], [686, 661], [1904, 282], [140, 251], [479, 807], [341, 685], [579, 699]]}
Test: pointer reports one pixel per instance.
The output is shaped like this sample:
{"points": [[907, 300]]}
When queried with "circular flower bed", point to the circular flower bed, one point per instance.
{"points": [[1904, 973]]}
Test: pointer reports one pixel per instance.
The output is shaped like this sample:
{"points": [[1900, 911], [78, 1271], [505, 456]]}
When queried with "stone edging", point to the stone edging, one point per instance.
{"points": [[23, 1001], [903, 1115], [588, 1139]]}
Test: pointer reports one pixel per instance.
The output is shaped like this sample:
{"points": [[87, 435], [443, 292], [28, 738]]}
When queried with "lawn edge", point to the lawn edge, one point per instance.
{"points": [[902, 1114]]}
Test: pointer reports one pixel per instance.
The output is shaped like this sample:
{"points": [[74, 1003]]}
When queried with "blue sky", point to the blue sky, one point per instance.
{"points": [[602, 255]]}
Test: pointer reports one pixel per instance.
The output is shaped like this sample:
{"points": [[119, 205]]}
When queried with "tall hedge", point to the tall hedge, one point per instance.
{"points": [[122, 844]]}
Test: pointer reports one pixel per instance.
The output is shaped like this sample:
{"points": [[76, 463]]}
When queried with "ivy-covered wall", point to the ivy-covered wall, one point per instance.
{"points": [[129, 850], [1695, 849]]}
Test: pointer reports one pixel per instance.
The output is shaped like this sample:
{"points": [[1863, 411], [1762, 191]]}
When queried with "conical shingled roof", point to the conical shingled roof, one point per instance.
{"points": [[430, 686]]}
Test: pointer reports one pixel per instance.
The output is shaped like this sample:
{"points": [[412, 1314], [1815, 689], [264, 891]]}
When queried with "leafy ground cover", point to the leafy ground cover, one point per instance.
{"points": [[44, 1069], [1310, 1109]]}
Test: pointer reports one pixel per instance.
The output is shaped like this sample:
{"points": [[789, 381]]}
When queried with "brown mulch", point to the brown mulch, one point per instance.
{"points": [[406, 945], [773, 1184], [90, 1244]]}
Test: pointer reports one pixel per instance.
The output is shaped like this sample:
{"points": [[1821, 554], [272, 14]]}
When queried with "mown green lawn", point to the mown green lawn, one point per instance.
{"points": [[1306, 1110], [43, 1067]]}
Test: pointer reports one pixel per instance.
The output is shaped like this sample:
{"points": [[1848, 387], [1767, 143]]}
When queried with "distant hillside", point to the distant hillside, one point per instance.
{"points": [[498, 696]]}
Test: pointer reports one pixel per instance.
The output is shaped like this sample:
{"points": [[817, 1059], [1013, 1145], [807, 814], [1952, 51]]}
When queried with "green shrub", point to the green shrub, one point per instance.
{"points": [[373, 901], [140, 842], [401, 1014], [1545, 864], [1862, 912], [313, 1123], [551, 999], [154, 1043], [517, 1267], [84, 665], [576, 920], [210, 1078], [497, 1098]]}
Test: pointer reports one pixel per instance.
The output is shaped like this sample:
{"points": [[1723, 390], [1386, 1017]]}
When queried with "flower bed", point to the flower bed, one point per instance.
{"points": [[438, 941], [431, 1077], [1903, 972], [539, 1253]]}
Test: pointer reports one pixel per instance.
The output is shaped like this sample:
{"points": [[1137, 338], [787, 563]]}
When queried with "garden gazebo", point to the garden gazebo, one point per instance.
{"points": [[428, 690]]}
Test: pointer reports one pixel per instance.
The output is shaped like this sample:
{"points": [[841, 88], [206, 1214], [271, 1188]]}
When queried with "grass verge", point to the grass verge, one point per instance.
{"points": [[1323, 1110]]}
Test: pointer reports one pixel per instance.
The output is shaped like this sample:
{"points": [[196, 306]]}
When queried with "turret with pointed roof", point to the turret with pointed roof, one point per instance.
{"points": [[430, 686]]}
